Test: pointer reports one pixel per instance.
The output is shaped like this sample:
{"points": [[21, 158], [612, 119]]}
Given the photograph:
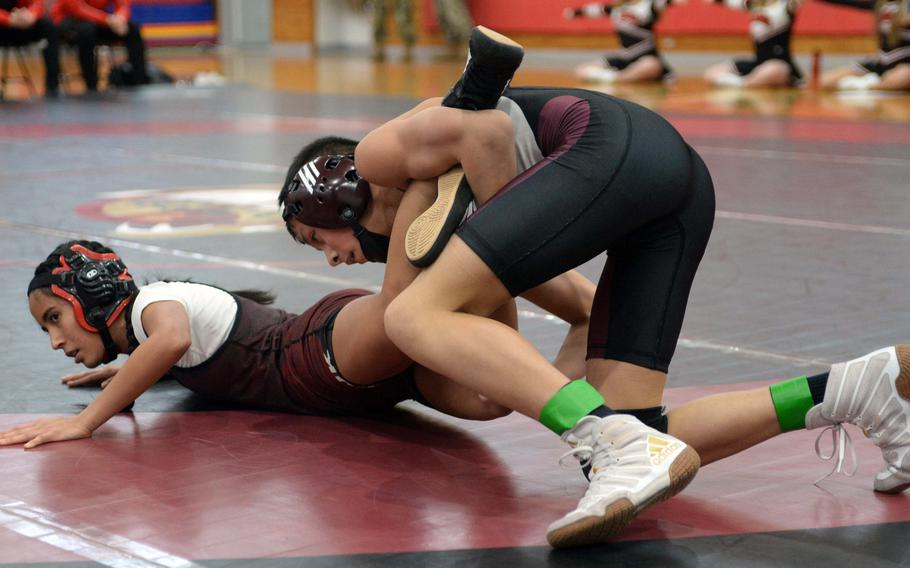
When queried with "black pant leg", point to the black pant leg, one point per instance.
{"points": [[135, 48], [84, 35], [48, 31]]}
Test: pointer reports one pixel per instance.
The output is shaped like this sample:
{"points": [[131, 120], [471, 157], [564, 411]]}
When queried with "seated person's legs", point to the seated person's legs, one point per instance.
{"points": [[135, 47], [771, 73], [897, 78], [647, 68], [51, 54], [42, 29], [749, 73], [84, 35]]}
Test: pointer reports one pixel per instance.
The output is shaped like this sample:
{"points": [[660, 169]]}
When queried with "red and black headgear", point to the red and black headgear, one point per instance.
{"points": [[97, 284], [327, 193]]}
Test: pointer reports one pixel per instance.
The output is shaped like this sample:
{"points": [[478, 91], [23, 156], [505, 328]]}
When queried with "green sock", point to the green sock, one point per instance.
{"points": [[572, 402], [792, 400]]}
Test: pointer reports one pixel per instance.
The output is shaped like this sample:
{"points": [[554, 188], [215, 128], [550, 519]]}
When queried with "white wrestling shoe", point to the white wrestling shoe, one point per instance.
{"points": [[632, 467], [872, 392]]}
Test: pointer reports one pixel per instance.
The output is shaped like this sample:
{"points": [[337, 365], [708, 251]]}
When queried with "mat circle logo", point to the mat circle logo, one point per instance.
{"points": [[188, 212]]}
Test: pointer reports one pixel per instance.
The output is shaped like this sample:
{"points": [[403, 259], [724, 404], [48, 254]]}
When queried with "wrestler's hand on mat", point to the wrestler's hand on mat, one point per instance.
{"points": [[101, 375], [45, 430]]}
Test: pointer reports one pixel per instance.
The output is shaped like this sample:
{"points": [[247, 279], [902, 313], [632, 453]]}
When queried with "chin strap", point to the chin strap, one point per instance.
{"points": [[110, 348], [375, 247], [96, 320]]}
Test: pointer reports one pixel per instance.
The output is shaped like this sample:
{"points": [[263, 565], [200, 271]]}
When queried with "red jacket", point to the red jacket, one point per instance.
{"points": [[36, 7], [92, 10]]}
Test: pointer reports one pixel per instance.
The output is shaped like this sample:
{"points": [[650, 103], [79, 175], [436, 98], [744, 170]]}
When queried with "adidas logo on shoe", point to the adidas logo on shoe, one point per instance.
{"points": [[660, 450]]}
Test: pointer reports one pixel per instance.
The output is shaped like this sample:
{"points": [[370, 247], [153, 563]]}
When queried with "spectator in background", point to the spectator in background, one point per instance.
{"points": [[404, 18], [22, 23], [890, 68], [454, 20], [773, 65], [87, 24], [638, 61]]}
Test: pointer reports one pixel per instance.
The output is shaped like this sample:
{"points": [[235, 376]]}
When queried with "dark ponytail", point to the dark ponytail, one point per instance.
{"points": [[258, 296]]}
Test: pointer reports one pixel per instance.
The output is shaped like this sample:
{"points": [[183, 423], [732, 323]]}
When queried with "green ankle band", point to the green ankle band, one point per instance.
{"points": [[569, 405], [792, 401]]}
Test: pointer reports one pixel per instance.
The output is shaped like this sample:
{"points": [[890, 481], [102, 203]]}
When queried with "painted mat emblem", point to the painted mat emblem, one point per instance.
{"points": [[188, 212]]}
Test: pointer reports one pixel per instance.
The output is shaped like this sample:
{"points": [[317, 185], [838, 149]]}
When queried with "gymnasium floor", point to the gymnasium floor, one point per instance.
{"points": [[806, 267]]}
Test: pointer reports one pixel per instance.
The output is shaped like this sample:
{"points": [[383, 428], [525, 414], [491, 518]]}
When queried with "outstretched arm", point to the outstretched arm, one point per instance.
{"points": [[168, 331]]}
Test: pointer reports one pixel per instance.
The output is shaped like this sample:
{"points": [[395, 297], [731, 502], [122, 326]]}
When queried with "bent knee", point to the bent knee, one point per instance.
{"points": [[495, 132]]}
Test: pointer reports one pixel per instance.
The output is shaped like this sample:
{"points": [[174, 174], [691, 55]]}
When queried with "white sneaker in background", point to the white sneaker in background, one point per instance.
{"points": [[729, 80], [859, 82], [596, 73], [208, 79]]}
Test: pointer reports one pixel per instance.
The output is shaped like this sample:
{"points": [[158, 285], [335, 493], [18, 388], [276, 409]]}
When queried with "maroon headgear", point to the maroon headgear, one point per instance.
{"points": [[327, 193]]}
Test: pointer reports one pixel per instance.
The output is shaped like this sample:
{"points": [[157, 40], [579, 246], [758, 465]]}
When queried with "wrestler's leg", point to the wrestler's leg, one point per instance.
{"points": [[427, 143], [437, 319], [445, 395]]}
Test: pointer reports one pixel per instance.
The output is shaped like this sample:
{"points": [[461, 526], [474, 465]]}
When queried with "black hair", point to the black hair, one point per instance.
{"points": [[263, 297], [259, 296], [325, 145]]}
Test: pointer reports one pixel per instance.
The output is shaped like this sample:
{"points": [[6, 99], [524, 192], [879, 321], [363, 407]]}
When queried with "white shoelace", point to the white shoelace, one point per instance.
{"points": [[580, 454], [840, 443]]}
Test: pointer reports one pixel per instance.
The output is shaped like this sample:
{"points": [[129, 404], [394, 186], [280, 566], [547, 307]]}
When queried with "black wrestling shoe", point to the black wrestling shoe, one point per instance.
{"points": [[430, 232], [492, 61]]}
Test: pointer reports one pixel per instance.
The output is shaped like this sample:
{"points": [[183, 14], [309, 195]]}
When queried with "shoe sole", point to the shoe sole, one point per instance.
{"points": [[498, 37], [619, 515], [902, 383], [429, 233]]}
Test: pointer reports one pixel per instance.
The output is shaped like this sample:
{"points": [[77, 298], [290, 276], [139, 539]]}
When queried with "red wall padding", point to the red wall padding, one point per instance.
{"points": [[695, 17]]}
